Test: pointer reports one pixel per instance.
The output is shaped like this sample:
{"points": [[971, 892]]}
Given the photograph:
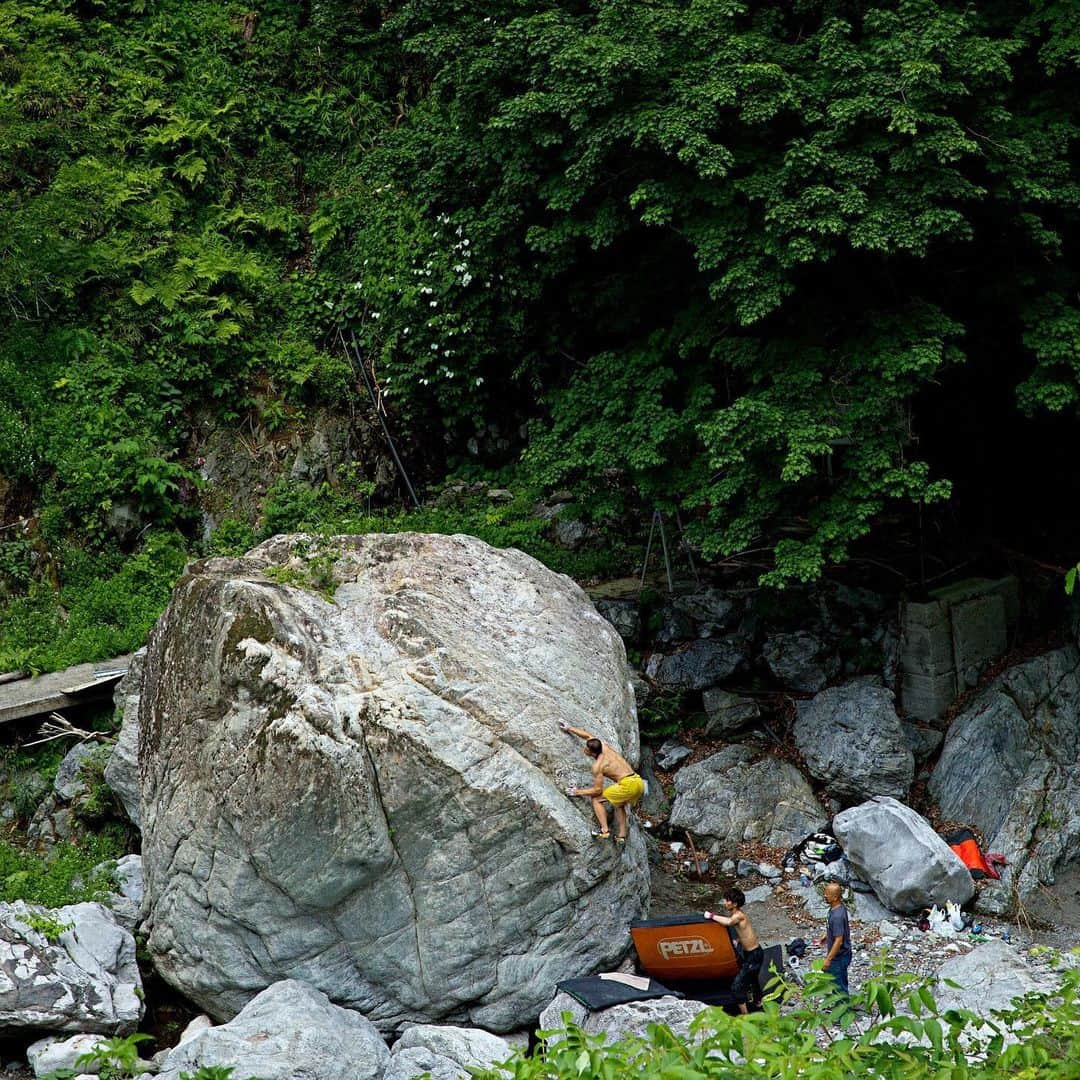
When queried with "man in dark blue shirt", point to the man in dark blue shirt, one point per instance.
{"points": [[837, 938]]}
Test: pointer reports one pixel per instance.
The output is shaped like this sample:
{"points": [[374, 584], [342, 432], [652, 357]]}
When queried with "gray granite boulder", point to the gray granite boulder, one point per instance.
{"points": [[852, 740], [624, 615], [703, 663], [290, 1031], [1009, 769], [126, 903], [368, 792], [728, 714], [56, 1052], [800, 660], [122, 770], [894, 849], [632, 1018], [988, 978], [672, 754], [732, 797], [709, 606], [655, 802], [444, 1053], [82, 979], [70, 781]]}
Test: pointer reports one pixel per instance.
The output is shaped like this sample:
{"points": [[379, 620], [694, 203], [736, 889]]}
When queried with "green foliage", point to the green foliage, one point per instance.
{"points": [[325, 510], [41, 922], [717, 256], [892, 1027], [67, 875], [722, 242], [105, 606], [661, 715]]}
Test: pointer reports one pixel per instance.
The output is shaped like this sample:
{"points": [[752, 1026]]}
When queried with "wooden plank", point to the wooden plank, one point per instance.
{"points": [[12, 676], [43, 694], [98, 680]]}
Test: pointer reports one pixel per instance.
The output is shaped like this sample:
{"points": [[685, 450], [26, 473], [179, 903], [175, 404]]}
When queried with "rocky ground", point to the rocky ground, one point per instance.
{"points": [[779, 914]]}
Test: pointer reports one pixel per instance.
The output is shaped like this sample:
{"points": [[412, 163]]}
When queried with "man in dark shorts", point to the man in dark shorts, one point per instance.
{"points": [[837, 938], [742, 986]]}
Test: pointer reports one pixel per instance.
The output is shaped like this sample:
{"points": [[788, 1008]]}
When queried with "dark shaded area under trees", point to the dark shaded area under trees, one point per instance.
{"points": [[803, 272]]}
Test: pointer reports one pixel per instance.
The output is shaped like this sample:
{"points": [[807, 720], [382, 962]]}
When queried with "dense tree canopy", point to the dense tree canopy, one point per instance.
{"points": [[708, 250]]}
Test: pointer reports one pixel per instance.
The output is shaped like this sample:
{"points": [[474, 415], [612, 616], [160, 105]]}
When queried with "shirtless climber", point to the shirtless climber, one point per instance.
{"points": [[626, 790], [753, 954]]}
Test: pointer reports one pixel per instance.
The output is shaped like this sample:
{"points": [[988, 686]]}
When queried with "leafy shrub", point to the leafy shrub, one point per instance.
{"points": [[67, 875], [105, 606], [293, 508], [892, 1027]]}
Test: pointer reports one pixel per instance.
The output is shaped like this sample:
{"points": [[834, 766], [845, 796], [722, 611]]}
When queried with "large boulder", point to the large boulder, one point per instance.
{"points": [[852, 740], [122, 769], [734, 796], [68, 969], [893, 848], [1009, 768], [444, 1053], [352, 773], [289, 1031]]}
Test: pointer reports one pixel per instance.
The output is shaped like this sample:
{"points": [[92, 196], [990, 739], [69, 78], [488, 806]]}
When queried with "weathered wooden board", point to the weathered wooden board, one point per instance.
{"points": [[42, 694]]}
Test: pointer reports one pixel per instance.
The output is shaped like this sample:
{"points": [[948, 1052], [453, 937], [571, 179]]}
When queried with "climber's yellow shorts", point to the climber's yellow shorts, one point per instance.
{"points": [[627, 792]]}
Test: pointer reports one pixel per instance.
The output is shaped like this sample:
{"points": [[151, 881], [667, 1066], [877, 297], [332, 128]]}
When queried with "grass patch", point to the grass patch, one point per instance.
{"points": [[65, 876]]}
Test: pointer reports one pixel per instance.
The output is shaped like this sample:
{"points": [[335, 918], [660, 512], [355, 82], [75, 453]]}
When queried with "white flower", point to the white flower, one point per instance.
{"points": [[466, 279], [433, 303], [374, 314]]}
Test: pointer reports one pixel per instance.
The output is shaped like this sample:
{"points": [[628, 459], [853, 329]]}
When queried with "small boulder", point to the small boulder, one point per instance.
{"points": [[727, 713], [632, 1018], [288, 1031], [83, 978], [800, 660], [706, 606], [851, 739], [990, 978], [444, 1053], [672, 754], [70, 781], [732, 797], [624, 615], [53, 1053], [703, 663], [923, 741], [676, 626], [893, 848]]}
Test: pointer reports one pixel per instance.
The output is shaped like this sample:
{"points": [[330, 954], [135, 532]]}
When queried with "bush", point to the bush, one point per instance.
{"points": [[67, 875], [892, 1027], [105, 606]]}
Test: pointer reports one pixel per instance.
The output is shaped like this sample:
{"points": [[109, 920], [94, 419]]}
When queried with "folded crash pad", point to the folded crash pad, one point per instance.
{"points": [[965, 845], [684, 948], [596, 993]]}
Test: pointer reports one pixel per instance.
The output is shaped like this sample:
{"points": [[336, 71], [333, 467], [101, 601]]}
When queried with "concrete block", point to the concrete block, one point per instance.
{"points": [[927, 650], [979, 635], [1007, 587], [929, 614], [926, 697]]}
